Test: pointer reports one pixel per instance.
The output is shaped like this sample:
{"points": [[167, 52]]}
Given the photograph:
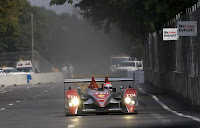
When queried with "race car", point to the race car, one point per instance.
{"points": [[100, 100]]}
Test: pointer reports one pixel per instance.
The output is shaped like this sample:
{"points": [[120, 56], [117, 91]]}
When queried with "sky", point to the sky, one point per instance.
{"points": [[66, 8]]}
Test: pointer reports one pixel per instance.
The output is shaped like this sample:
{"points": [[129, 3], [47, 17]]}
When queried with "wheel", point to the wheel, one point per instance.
{"points": [[66, 114], [136, 112]]}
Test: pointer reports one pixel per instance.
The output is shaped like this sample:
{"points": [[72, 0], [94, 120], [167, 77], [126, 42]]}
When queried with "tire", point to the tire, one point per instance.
{"points": [[66, 114], [136, 112]]}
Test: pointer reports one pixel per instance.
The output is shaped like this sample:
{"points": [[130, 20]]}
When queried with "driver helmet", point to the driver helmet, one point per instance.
{"points": [[107, 86]]}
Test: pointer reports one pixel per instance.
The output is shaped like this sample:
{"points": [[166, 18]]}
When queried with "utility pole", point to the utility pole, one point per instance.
{"points": [[32, 35]]}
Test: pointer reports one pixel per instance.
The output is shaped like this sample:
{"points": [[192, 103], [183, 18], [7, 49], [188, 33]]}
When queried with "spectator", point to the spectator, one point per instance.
{"points": [[71, 70], [53, 69], [2, 72], [64, 70], [56, 69]]}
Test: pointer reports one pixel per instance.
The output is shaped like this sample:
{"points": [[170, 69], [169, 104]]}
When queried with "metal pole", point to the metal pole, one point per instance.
{"points": [[32, 35]]}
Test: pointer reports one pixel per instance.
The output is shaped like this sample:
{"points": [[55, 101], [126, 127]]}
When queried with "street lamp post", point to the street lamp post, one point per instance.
{"points": [[32, 35]]}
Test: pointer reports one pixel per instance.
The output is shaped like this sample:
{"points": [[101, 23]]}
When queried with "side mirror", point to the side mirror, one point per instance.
{"points": [[121, 87], [79, 88]]}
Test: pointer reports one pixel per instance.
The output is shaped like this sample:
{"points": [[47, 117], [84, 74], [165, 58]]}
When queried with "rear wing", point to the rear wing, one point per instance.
{"points": [[97, 80]]}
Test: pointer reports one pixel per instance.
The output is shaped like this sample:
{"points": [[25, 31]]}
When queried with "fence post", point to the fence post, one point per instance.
{"points": [[198, 4]]}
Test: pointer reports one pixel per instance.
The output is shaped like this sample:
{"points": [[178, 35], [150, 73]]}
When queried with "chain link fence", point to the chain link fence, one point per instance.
{"points": [[10, 60]]}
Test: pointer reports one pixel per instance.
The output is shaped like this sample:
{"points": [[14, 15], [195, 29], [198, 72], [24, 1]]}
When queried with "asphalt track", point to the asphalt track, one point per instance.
{"points": [[42, 106]]}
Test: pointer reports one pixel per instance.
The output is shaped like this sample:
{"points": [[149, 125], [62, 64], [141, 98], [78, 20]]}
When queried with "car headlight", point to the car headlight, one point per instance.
{"points": [[130, 101], [133, 102], [74, 102]]}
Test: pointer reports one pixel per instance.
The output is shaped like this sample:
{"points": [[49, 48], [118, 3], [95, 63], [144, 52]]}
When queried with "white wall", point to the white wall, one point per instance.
{"points": [[36, 78]]}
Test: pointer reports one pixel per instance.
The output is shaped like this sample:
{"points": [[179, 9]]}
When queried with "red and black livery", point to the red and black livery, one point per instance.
{"points": [[100, 100]]}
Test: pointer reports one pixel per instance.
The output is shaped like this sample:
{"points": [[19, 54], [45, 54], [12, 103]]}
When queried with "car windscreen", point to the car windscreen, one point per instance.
{"points": [[10, 70], [25, 69], [119, 60], [127, 64], [139, 64]]}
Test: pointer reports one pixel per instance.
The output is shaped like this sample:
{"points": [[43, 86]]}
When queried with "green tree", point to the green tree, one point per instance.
{"points": [[10, 10], [135, 18]]}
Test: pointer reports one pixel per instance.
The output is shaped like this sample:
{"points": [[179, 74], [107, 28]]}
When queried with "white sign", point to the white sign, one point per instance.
{"points": [[187, 28], [24, 64], [170, 34], [139, 77]]}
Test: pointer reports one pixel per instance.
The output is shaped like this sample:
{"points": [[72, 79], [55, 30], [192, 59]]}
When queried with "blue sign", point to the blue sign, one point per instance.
{"points": [[29, 78]]}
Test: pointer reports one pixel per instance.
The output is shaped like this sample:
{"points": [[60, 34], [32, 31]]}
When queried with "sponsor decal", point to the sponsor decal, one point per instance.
{"points": [[71, 96], [101, 98], [130, 95], [101, 93]]}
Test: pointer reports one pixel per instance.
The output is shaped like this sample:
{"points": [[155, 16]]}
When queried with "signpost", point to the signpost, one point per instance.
{"points": [[187, 28], [170, 34], [29, 78]]}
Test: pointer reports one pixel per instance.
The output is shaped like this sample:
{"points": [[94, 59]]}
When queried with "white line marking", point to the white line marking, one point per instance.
{"points": [[18, 101], [170, 110], [4, 92], [141, 90], [10, 104], [45, 91], [71, 126], [2, 109]]}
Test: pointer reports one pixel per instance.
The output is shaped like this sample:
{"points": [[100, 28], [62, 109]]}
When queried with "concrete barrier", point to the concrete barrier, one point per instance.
{"points": [[36, 79], [183, 84]]}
